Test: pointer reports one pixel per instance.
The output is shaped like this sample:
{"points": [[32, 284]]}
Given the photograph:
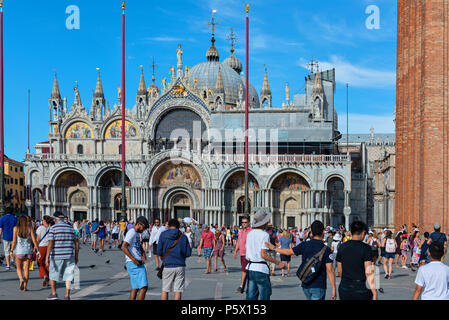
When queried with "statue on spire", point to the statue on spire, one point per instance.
{"points": [[179, 56]]}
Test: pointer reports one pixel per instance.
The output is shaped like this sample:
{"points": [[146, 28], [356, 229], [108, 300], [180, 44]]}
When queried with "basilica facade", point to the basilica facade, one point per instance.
{"points": [[184, 151]]}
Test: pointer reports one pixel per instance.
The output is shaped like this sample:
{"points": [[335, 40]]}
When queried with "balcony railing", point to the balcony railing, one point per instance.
{"points": [[208, 158]]}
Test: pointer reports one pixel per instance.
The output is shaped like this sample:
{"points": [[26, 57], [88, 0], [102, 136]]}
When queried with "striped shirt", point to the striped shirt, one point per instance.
{"points": [[63, 237]]}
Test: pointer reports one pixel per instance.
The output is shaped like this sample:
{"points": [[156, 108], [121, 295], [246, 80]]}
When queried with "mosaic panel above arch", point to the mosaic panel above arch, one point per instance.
{"points": [[290, 182], [237, 182], [79, 130], [71, 179], [114, 130], [171, 173]]}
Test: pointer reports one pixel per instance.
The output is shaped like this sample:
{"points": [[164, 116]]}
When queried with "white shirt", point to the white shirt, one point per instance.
{"points": [[434, 277], [156, 233], [133, 239], [255, 242], [189, 236], [41, 231]]}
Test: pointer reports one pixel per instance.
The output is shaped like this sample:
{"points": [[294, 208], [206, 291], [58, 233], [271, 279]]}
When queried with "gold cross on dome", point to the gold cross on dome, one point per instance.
{"points": [[213, 23], [232, 38], [312, 64]]}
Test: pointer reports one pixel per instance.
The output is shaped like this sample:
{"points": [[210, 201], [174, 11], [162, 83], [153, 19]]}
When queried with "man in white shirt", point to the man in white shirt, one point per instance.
{"points": [[433, 278], [156, 231], [258, 276]]}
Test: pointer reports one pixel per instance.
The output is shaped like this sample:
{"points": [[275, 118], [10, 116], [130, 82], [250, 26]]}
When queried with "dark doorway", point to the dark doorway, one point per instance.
{"points": [[79, 215], [182, 212], [290, 222]]}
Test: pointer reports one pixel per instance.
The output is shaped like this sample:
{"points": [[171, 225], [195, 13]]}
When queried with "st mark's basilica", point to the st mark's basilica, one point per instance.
{"points": [[184, 151]]}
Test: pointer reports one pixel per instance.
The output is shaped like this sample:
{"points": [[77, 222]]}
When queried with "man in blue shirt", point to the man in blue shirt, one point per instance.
{"points": [[316, 289], [7, 224], [94, 229]]}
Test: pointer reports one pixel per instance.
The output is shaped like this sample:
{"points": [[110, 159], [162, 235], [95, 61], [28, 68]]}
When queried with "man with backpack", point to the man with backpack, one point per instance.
{"points": [[316, 264], [439, 237]]}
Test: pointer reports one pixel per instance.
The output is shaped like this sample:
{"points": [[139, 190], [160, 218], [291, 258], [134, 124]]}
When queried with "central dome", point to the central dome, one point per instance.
{"points": [[207, 74]]}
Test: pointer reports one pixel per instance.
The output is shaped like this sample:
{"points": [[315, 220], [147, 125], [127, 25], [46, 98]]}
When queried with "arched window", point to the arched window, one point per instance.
{"points": [[80, 149]]}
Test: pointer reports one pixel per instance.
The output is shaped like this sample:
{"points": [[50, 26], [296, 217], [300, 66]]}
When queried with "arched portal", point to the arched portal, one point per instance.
{"points": [[289, 199], [181, 127], [336, 200], [70, 187], [110, 193], [234, 196]]}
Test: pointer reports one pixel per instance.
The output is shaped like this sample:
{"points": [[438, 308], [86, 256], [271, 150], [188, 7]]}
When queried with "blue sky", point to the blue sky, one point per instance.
{"points": [[285, 35]]}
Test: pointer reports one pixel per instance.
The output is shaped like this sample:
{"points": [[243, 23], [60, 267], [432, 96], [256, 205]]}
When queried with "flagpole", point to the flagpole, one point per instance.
{"points": [[2, 145], [123, 209], [29, 107], [247, 210]]}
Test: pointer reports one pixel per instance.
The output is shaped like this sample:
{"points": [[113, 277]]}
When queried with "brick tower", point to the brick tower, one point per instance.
{"points": [[422, 102]]}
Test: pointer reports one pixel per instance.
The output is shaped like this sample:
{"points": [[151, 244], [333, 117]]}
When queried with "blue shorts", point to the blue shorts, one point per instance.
{"points": [[137, 275], [389, 255], [207, 252]]}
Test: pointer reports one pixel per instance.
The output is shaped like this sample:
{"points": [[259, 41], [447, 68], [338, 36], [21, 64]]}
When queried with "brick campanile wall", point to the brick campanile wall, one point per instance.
{"points": [[422, 102]]}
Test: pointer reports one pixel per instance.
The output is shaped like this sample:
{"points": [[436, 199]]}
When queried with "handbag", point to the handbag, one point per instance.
{"points": [[161, 269], [309, 269]]}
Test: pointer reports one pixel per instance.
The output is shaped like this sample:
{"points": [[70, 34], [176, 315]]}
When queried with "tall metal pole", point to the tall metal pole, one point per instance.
{"points": [[29, 108], [247, 210], [347, 119], [123, 116], [2, 145]]}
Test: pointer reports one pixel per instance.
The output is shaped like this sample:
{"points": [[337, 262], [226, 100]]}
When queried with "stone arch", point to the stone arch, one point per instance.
{"points": [[68, 125], [302, 174], [228, 173], [59, 172], [166, 157], [109, 185], [172, 104], [289, 185], [339, 176], [110, 121], [234, 189], [103, 170], [176, 172], [336, 194]]}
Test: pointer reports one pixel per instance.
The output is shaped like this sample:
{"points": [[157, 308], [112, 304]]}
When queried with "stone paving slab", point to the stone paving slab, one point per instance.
{"points": [[109, 281]]}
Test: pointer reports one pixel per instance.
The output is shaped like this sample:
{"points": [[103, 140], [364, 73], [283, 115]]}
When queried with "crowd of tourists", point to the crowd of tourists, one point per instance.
{"points": [[327, 253]]}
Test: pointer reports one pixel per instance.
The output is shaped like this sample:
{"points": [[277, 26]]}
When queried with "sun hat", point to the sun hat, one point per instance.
{"points": [[261, 218]]}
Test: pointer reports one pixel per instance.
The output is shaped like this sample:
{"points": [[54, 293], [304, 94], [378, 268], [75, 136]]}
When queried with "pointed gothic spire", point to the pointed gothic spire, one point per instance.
{"points": [[266, 86], [219, 86], [55, 91], [99, 88], [318, 86], [142, 88]]}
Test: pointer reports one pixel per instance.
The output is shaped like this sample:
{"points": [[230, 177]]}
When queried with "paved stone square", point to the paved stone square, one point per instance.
{"points": [[110, 281]]}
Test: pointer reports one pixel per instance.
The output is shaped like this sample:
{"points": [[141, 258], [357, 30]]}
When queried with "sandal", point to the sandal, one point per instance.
{"points": [[22, 285]]}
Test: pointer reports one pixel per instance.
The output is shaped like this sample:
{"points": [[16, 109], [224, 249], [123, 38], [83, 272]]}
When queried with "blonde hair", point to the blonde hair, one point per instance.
{"points": [[285, 234]]}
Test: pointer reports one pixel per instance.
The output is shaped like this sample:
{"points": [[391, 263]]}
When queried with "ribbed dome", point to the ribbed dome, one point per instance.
{"points": [[207, 74], [234, 63]]}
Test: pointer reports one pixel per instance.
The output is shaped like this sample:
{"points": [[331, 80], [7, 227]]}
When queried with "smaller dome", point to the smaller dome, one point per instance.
{"points": [[234, 63], [212, 53], [153, 87]]}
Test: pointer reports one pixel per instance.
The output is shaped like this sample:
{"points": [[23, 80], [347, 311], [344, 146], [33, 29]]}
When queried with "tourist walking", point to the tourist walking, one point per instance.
{"points": [[228, 236], [174, 248], [416, 252], [218, 250], [336, 242], [315, 289], [135, 259], [7, 224], [154, 239], [145, 239], [62, 255], [102, 235], [241, 248], [207, 243], [122, 230], [115, 234], [438, 236], [354, 263], [433, 278], [189, 236], [95, 228], [425, 257], [23, 245], [285, 243], [404, 249], [390, 251], [42, 240], [87, 233], [259, 284]]}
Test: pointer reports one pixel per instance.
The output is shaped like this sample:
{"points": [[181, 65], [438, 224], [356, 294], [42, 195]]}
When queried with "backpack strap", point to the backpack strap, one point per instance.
{"points": [[171, 248]]}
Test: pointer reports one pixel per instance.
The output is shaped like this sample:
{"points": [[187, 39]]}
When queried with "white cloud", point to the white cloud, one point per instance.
{"points": [[361, 123], [356, 76]]}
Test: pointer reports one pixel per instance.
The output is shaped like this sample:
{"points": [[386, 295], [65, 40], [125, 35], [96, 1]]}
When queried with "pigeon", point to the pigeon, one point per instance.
{"points": [[107, 261], [110, 247], [92, 266]]}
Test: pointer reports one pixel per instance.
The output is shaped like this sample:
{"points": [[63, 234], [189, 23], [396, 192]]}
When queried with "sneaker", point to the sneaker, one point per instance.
{"points": [[7, 268], [53, 297], [404, 267], [386, 276], [239, 290], [66, 298]]}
